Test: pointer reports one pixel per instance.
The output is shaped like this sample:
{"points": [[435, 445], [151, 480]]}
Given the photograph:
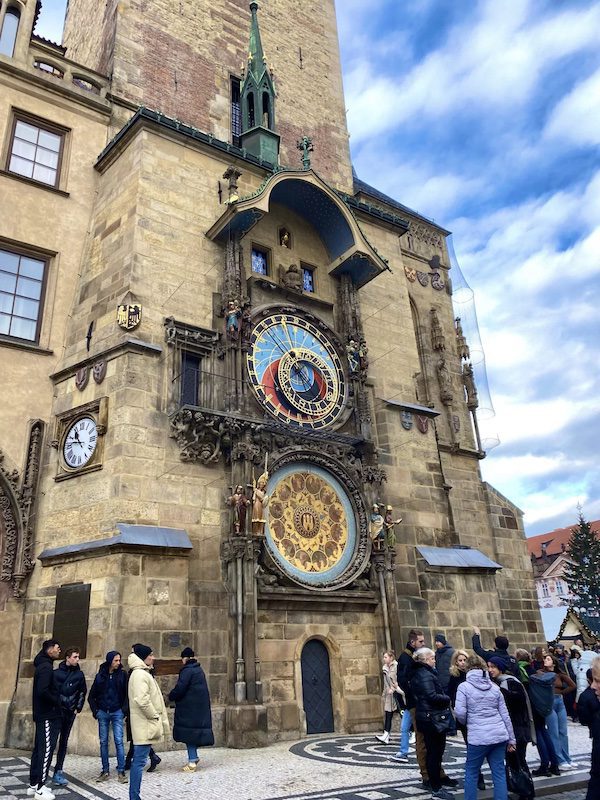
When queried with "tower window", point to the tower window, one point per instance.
{"points": [[190, 378], [308, 278], [260, 261], [36, 150], [266, 110], [10, 26], [251, 114], [236, 111]]}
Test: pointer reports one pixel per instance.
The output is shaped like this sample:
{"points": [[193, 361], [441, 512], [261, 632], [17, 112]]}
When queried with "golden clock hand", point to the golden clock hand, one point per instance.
{"points": [[287, 333]]}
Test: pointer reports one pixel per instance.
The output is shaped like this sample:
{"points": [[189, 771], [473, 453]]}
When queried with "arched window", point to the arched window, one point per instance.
{"points": [[251, 115], [50, 69], [10, 26], [266, 111]]}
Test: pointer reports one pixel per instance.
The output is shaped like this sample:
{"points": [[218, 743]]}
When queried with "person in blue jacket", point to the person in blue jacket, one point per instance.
{"points": [[72, 689], [193, 720], [108, 701]]}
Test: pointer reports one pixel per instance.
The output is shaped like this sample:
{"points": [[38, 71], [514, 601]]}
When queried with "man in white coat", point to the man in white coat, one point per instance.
{"points": [[147, 713]]}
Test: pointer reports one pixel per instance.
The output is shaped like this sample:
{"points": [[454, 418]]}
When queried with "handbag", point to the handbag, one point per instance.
{"points": [[519, 781], [442, 721]]}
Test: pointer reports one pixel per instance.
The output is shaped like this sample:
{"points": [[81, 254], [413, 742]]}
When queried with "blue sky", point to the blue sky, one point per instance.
{"points": [[485, 116]]}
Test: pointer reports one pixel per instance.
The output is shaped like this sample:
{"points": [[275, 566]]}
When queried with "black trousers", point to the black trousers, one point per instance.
{"points": [[46, 735], [387, 723], [519, 759], [435, 744], [65, 731], [593, 792]]}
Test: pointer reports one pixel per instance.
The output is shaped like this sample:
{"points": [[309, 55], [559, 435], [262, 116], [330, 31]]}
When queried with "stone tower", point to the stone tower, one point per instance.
{"points": [[241, 416], [187, 59]]}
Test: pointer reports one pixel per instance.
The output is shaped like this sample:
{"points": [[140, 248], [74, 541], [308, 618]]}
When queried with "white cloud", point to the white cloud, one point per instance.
{"points": [[575, 117]]}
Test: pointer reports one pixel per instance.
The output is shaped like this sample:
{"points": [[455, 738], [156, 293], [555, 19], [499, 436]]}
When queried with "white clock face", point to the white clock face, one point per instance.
{"points": [[80, 442]]}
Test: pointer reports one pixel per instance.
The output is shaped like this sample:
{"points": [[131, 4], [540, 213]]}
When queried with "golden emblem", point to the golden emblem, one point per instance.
{"points": [[307, 522], [411, 274], [129, 316]]}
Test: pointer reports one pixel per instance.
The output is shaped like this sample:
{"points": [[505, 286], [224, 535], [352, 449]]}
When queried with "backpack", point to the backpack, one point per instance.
{"points": [[541, 692]]}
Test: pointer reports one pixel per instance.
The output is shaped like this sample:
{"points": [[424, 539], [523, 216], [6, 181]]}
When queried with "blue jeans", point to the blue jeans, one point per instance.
{"points": [[138, 762], [192, 752], [558, 730], [105, 720], [476, 754], [405, 727]]}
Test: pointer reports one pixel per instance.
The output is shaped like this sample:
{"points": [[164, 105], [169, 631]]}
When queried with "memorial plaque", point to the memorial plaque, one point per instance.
{"points": [[71, 616]]}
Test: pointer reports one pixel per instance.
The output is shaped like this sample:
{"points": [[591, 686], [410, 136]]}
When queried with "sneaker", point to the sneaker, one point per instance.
{"points": [[384, 737], [59, 778], [31, 790], [189, 767], [403, 759], [102, 777], [121, 777], [44, 793], [566, 765], [448, 781], [412, 738], [442, 794]]}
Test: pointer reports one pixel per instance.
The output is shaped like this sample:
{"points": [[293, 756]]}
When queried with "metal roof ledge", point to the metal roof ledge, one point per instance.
{"points": [[457, 559]]}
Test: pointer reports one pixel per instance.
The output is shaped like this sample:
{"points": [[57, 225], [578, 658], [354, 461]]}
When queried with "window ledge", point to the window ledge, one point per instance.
{"points": [[21, 344], [31, 182]]}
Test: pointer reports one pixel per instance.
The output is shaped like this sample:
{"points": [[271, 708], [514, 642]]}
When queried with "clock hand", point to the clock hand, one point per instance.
{"points": [[287, 333]]}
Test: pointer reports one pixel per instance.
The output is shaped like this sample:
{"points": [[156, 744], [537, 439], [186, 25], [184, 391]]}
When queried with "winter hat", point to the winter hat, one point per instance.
{"points": [[501, 642], [110, 656], [142, 651], [187, 652], [439, 637], [498, 662]]}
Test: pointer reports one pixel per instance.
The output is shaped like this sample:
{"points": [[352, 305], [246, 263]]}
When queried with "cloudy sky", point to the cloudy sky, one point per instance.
{"points": [[485, 116]]}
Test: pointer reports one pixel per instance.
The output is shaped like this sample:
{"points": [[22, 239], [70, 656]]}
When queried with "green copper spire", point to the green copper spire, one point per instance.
{"points": [[257, 62], [258, 99]]}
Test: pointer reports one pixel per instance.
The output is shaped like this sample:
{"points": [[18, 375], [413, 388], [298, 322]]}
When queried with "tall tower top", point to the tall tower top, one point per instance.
{"points": [[257, 61]]}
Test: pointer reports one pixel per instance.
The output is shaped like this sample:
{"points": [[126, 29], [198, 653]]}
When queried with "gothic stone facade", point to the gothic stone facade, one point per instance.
{"points": [[194, 317]]}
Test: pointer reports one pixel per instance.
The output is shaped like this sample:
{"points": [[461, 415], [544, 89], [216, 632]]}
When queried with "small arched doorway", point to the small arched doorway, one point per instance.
{"points": [[316, 687]]}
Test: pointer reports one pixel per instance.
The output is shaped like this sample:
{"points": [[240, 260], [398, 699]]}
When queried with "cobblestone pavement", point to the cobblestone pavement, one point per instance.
{"points": [[316, 768]]}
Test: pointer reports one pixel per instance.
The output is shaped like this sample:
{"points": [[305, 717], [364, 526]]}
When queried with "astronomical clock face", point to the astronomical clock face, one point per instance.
{"points": [[311, 526], [296, 371]]}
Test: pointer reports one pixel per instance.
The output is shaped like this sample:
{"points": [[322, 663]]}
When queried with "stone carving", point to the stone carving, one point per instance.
{"points": [[406, 419], [179, 333], [470, 387], [422, 423], [411, 274], [419, 233], [285, 239], [352, 351], [99, 371], [438, 340], [456, 423], [17, 506], [291, 277], [437, 282], [376, 527], [82, 377], [423, 278], [231, 175], [462, 347], [445, 382]]}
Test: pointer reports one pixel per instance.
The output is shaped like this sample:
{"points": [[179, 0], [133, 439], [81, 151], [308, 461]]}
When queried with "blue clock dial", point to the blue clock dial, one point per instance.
{"points": [[296, 371]]}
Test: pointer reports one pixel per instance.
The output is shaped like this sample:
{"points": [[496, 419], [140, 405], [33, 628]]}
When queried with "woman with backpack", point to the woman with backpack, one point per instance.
{"points": [[519, 711], [556, 721], [540, 687], [481, 707]]}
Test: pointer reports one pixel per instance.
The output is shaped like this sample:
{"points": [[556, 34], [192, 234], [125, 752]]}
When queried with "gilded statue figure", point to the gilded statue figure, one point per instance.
{"points": [[389, 524], [260, 500], [376, 525]]}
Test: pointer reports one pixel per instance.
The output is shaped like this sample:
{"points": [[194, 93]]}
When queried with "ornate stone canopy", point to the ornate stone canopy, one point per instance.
{"points": [[307, 195]]}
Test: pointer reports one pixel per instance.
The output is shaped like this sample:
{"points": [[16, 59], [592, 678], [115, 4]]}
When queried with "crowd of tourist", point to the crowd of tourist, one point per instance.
{"points": [[500, 703]]}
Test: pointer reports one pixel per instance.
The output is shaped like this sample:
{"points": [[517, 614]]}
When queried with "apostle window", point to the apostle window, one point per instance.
{"points": [[36, 150], [308, 278], [22, 279], [260, 260], [190, 378]]}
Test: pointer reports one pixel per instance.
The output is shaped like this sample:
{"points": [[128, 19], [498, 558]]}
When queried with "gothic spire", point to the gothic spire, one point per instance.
{"points": [[257, 61]]}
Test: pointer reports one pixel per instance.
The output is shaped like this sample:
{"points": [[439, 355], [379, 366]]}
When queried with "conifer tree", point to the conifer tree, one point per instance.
{"points": [[583, 575]]}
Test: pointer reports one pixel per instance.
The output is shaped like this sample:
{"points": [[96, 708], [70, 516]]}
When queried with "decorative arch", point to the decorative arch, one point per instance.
{"points": [[308, 196], [10, 29], [17, 506]]}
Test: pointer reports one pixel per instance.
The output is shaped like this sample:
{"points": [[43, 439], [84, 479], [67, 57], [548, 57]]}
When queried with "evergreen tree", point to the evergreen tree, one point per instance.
{"points": [[583, 575]]}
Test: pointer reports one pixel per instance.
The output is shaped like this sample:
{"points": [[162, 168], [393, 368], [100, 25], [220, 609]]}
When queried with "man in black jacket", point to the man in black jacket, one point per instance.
{"points": [[72, 689], [443, 657], [501, 643], [108, 699], [47, 717], [588, 707]]}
